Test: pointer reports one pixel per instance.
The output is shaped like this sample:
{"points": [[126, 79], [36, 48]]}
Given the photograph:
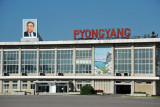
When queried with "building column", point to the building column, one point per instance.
{"points": [[112, 73], [19, 85], [20, 58], [74, 85], [93, 60], [74, 61], [35, 90], [154, 60], [93, 85], [1, 70], [132, 87], [37, 62], [1, 86], [132, 60], [112, 87], [67, 87], [55, 60], [154, 88]]}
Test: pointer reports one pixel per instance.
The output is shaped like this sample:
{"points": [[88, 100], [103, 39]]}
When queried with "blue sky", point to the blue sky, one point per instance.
{"points": [[57, 19]]}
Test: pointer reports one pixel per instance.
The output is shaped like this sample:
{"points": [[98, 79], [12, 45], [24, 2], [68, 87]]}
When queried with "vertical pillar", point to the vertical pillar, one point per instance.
{"points": [[67, 87], [19, 67], [154, 60], [132, 87], [1, 86], [74, 85], [55, 60], [154, 88], [93, 60], [19, 85], [37, 61], [112, 73], [93, 85], [74, 61], [1, 70], [112, 88], [35, 90], [132, 60]]}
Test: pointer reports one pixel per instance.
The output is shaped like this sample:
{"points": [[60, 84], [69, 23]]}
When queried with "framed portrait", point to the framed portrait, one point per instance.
{"points": [[29, 28]]}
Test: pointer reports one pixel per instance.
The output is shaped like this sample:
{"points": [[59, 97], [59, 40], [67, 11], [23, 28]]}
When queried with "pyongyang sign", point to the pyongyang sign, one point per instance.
{"points": [[102, 33]]}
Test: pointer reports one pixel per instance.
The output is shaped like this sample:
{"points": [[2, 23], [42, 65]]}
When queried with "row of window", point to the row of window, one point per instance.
{"points": [[143, 61], [47, 61], [15, 85], [32, 85], [137, 82]]}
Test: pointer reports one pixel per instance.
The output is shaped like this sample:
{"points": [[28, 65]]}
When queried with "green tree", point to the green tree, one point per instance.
{"points": [[87, 90]]}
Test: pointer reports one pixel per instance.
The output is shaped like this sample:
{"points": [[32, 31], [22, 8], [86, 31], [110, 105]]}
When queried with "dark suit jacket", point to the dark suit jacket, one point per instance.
{"points": [[26, 34]]}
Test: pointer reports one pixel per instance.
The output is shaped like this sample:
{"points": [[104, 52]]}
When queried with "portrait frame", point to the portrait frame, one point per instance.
{"points": [[35, 30]]}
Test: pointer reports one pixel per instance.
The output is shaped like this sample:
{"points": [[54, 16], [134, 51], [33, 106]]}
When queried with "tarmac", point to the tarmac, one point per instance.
{"points": [[77, 101]]}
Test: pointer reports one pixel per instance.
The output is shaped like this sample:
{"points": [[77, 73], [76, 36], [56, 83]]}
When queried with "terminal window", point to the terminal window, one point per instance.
{"points": [[143, 61]]}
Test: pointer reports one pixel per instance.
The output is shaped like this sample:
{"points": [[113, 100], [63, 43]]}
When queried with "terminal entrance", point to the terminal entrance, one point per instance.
{"points": [[61, 88], [123, 89], [52, 86], [43, 87]]}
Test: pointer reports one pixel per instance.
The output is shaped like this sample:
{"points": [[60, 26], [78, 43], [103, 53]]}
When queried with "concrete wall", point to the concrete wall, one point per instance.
{"points": [[105, 85], [143, 87]]}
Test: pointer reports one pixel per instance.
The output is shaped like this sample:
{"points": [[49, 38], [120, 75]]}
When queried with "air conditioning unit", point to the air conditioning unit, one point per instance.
{"points": [[24, 74], [42, 74], [126, 74], [60, 74], [118, 74], [6, 74]]}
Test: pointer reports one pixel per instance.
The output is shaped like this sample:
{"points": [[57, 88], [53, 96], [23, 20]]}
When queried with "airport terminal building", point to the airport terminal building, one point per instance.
{"points": [[112, 65]]}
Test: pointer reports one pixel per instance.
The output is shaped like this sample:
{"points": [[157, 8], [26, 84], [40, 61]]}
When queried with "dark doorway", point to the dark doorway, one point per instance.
{"points": [[61, 88], [43, 87], [123, 89]]}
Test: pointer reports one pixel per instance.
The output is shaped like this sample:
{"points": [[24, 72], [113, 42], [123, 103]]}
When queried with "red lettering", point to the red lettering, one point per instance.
{"points": [[86, 33], [76, 32], [112, 33], [82, 33], [120, 32], [107, 32], [101, 35], [94, 33], [129, 33]]}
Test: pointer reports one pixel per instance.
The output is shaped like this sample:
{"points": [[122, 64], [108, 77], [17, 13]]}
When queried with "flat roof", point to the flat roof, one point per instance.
{"points": [[75, 42]]}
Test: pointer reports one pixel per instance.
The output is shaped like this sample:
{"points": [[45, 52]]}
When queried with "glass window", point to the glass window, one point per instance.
{"points": [[83, 61], [148, 82], [24, 84], [65, 61], [6, 85], [46, 64], [79, 86], [29, 62], [157, 62], [14, 85], [143, 61], [118, 81], [122, 60], [127, 81], [11, 61], [139, 82]]}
